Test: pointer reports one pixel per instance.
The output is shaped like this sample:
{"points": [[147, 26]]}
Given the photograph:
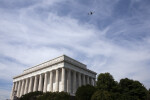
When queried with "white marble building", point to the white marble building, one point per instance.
{"points": [[60, 74]]}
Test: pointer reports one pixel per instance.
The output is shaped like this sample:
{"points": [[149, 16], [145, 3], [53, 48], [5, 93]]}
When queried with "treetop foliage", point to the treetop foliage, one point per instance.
{"points": [[31, 95], [101, 95], [46, 96], [133, 88], [126, 89], [54, 96], [85, 92], [105, 81]]}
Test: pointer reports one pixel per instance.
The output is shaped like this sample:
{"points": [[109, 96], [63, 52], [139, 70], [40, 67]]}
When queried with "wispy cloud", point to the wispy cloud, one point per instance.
{"points": [[108, 41], [4, 94]]}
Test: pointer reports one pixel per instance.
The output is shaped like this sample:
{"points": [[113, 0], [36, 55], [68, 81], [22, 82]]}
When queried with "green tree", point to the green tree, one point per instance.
{"points": [[105, 81], [31, 95], [54, 96], [134, 89], [85, 92], [148, 95], [101, 95]]}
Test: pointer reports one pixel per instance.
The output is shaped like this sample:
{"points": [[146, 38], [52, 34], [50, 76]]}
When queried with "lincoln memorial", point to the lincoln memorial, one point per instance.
{"points": [[60, 74]]}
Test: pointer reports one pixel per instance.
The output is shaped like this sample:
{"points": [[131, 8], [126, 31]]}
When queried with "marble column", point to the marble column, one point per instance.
{"points": [[22, 88], [18, 90], [87, 79], [69, 81], [26, 86], [57, 80], [40, 83], [79, 76], [93, 81], [30, 84], [16, 86], [45, 83], [74, 82], [51, 81], [13, 88], [84, 80], [90, 80], [35, 83], [63, 78]]}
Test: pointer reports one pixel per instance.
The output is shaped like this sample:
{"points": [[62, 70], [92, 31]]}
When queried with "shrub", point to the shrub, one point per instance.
{"points": [[54, 96], [101, 95], [85, 92], [31, 95]]}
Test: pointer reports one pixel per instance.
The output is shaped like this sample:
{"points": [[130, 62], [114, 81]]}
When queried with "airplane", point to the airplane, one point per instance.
{"points": [[91, 13]]}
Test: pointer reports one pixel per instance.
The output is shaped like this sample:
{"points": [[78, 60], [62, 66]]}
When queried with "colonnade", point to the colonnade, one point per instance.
{"points": [[61, 79]]}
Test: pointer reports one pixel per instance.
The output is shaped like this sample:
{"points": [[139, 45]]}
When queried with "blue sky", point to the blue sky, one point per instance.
{"points": [[115, 39]]}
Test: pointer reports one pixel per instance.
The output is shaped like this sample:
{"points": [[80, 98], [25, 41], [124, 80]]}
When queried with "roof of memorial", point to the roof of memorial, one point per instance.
{"points": [[54, 61]]}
